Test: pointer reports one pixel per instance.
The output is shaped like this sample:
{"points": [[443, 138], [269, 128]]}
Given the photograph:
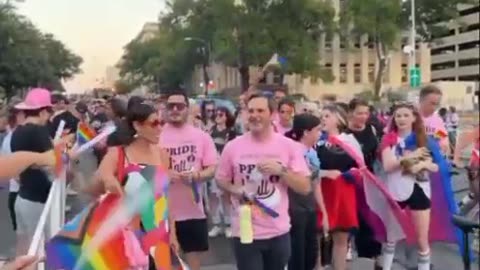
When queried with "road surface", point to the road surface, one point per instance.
{"points": [[220, 257]]}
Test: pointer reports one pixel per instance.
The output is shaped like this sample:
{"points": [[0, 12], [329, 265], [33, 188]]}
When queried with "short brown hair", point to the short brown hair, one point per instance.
{"points": [[357, 102], [428, 90], [271, 103]]}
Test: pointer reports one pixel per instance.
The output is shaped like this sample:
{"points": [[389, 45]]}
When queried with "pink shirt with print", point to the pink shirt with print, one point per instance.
{"points": [[189, 147], [434, 123], [239, 159]]}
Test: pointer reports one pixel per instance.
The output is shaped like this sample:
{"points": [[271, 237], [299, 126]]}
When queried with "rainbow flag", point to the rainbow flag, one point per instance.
{"points": [[440, 134], [85, 133], [65, 249]]}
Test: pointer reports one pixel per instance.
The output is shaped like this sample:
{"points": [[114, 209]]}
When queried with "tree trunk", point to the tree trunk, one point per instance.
{"points": [[382, 64], [244, 78], [206, 80]]}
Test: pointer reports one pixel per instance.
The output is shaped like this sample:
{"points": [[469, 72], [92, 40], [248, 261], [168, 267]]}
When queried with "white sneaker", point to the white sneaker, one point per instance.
{"points": [[349, 253], [71, 192], [215, 231], [228, 232]]}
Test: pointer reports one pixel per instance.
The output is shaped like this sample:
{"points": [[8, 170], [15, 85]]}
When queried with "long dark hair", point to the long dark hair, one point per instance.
{"points": [[138, 112], [203, 111], [301, 123], [230, 123], [417, 127]]}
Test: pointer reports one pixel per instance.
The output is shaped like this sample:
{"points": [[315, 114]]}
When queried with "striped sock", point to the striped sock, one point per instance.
{"points": [[424, 261], [388, 254]]}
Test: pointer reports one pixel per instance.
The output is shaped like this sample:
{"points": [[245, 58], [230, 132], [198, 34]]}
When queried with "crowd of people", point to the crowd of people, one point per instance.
{"points": [[303, 165]]}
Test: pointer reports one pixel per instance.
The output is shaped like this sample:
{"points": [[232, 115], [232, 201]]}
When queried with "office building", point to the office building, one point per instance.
{"points": [[455, 53]]}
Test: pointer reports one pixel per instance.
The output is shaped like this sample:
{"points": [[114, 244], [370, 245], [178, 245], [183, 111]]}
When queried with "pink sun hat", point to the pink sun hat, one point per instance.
{"points": [[36, 98]]}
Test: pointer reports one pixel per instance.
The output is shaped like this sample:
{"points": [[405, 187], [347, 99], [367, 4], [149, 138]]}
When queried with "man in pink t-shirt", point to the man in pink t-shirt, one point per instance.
{"points": [[193, 159], [262, 164], [430, 98]]}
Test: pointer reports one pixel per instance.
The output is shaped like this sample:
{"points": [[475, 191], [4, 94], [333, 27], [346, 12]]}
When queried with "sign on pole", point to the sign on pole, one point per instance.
{"points": [[415, 77]]}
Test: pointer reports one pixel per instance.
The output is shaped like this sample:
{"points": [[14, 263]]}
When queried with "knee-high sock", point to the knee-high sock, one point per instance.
{"points": [[388, 254], [424, 261]]}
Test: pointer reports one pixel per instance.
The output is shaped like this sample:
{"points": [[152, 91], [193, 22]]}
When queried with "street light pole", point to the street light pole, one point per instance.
{"points": [[413, 34], [207, 51]]}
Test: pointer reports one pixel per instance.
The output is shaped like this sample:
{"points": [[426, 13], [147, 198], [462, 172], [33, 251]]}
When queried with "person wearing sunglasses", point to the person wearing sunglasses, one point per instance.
{"points": [[193, 159], [222, 132], [208, 114]]}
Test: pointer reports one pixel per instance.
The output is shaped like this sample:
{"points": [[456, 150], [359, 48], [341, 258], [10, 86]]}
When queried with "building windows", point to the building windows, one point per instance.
{"points": [[474, 77], [371, 73], [343, 73], [468, 62], [404, 73], [469, 28], [468, 11], [468, 45], [357, 73], [443, 65], [443, 50], [328, 41]]}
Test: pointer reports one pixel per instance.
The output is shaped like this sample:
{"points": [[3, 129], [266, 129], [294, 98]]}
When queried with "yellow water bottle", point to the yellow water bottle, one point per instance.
{"points": [[246, 228]]}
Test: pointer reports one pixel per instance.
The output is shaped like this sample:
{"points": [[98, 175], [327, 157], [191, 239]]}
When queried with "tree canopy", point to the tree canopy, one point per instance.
{"points": [[237, 34], [384, 21], [29, 57]]}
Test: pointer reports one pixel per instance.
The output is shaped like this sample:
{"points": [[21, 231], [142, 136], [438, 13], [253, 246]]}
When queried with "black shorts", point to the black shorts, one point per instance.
{"points": [[417, 201], [192, 235]]}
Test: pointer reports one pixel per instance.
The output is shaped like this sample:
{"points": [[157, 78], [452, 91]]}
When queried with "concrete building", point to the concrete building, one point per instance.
{"points": [[456, 53], [353, 67]]}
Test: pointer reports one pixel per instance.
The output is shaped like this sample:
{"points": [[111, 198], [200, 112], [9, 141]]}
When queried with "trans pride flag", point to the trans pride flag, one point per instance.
{"points": [[112, 234], [443, 202]]}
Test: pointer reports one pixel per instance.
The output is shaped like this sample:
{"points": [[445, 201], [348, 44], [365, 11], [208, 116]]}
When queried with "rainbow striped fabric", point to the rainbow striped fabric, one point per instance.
{"points": [[149, 226], [84, 133]]}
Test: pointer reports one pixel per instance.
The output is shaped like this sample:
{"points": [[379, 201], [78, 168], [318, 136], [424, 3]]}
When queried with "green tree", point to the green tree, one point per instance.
{"points": [[30, 58], [247, 34], [384, 21], [122, 87]]}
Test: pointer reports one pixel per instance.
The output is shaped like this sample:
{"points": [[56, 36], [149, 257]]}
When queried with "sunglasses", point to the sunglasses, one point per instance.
{"points": [[210, 110], [155, 123], [220, 114], [177, 106]]}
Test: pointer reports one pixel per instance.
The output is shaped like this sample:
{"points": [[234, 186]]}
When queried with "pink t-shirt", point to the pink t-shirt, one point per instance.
{"points": [[281, 129], [189, 147], [433, 124], [238, 161]]}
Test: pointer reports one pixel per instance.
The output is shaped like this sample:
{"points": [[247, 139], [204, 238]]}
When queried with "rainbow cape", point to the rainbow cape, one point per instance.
{"points": [[148, 225], [85, 133]]}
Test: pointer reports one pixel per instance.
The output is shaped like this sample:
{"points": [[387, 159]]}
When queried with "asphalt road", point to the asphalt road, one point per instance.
{"points": [[220, 257]]}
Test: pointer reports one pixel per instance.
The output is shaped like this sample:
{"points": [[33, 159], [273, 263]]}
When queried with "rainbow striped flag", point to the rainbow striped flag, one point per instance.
{"points": [[65, 250], [85, 133]]}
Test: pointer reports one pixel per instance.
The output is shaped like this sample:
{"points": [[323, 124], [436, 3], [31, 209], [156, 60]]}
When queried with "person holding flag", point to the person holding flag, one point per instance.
{"points": [[417, 176]]}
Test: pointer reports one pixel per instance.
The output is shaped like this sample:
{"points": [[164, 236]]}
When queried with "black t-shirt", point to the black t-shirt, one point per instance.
{"points": [[369, 142], [220, 138], [334, 158], [71, 123], [34, 182]]}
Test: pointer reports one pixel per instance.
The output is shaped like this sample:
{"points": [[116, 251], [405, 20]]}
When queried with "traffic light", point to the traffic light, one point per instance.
{"points": [[415, 77]]}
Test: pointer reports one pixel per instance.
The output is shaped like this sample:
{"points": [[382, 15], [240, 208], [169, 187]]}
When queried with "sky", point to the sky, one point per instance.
{"points": [[97, 30]]}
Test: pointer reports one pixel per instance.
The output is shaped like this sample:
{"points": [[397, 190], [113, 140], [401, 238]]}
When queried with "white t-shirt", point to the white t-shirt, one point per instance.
{"points": [[401, 186], [6, 150]]}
